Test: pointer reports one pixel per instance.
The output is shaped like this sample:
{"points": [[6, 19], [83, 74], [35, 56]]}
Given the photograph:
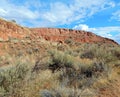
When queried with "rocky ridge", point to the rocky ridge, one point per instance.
{"points": [[10, 30], [57, 34]]}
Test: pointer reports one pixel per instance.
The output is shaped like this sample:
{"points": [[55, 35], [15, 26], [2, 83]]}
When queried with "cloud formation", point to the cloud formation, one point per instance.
{"points": [[61, 13], [116, 15], [19, 13], [112, 32], [52, 13], [82, 27]]}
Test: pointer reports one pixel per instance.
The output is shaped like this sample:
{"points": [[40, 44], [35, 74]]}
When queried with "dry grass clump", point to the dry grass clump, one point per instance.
{"points": [[12, 78], [61, 59], [67, 92], [100, 53]]}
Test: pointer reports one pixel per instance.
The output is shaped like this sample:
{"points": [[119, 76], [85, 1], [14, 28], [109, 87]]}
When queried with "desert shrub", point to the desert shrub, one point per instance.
{"points": [[14, 21], [88, 54], [41, 63], [100, 68], [58, 93], [72, 52], [100, 53], [67, 92], [60, 60], [84, 76], [89, 51], [29, 51], [116, 52], [35, 50], [75, 78], [68, 41], [12, 78], [61, 47], [48, 93]]}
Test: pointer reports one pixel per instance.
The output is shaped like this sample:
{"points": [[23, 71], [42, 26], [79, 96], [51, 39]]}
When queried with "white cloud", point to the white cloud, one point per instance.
{"points": [[58, 13], [19, 13], [2, 12], [61, 13], [112, 32], [82, 27], [117, 38], [108, 32], [116, 15], [52, 13]]}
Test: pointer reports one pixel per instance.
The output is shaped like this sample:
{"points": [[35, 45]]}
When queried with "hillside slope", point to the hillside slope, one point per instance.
{"points": [[10, 30], [55, 34], [40, 62]]}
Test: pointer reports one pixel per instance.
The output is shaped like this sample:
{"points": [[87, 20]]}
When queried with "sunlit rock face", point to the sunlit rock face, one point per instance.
{"points": [[12, 30], [55, 34]]}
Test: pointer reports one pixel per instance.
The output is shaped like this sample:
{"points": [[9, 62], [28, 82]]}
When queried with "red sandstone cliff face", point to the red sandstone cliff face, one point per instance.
{"points": [[53, 34], [12, 30]]}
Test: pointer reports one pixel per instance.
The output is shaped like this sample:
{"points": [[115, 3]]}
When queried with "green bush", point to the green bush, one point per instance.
{"points": [[69, 41], [116, 52], [88, 54], [98, 52], [11, 78], [64, 60]]}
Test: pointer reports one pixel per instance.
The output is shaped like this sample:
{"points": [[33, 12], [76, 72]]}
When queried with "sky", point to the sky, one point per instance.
{"points": [[101, 17]]}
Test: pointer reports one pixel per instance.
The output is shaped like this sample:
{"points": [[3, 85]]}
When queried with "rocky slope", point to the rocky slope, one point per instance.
{"points": [[54, 34], [10, 30]]}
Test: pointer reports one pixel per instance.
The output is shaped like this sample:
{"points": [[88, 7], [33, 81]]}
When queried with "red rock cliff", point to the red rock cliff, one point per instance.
{"points": [[12, 30], [54, 34]]}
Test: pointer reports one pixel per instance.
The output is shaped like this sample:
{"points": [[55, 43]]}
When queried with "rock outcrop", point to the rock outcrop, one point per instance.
{"points": [[10, 30], [55, 34]]}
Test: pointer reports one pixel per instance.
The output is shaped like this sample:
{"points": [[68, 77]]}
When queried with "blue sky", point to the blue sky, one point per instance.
{"points": [[101, 17]]}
